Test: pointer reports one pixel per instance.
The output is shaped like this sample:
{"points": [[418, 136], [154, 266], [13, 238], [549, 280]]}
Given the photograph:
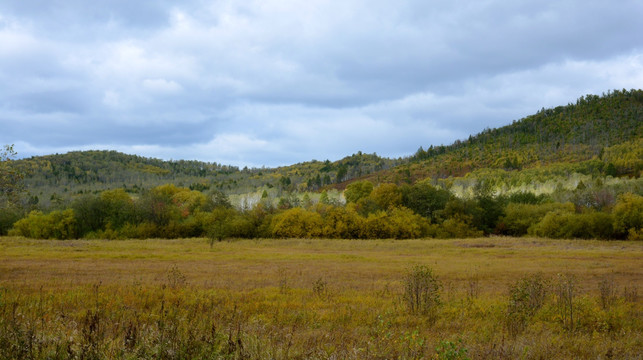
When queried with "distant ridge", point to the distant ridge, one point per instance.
{"points": [[608, 128], [603, 133]]}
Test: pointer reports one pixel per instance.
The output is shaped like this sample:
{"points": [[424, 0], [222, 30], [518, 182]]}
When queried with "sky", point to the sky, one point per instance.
{"points": [[277, 82]]}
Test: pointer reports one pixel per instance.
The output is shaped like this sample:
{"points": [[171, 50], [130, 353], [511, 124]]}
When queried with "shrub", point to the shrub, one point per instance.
{"points": [[519, 217], [320, 287], [8, 216], [565, 293], [145, 230], [421, 290], [526, 297], [342, 222], [607, 291], [377, 226], [628, 215], [450, 350], [566, 225], [406, 224], [297, 223], [455, 227], [55, 225]]}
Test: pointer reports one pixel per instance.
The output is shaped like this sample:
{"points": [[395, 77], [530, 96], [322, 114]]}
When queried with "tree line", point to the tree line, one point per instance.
{"points": [[369, 212]]}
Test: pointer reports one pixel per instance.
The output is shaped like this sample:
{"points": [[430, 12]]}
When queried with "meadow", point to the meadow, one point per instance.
{"points": [[495, 298]]}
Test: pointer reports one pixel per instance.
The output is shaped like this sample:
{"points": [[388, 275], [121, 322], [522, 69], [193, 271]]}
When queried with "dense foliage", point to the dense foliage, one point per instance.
{"points": [[384, 211], [53, 180]]}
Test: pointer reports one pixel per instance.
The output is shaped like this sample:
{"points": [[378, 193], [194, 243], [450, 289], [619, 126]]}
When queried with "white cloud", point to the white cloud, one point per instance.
{"points": [[276, 82], [112, 99], [161, 86]]}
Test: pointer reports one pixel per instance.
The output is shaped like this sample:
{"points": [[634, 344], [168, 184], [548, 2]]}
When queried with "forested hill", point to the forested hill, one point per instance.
{"points": [[607, 129], [59, 178], [597, 135]]}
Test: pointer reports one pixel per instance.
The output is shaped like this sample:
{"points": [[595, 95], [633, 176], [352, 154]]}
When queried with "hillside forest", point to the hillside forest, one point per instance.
{"points": [[568, 172]]}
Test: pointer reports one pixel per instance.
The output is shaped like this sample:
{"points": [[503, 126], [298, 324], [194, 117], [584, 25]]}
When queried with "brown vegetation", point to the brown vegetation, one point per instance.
{"points": [[319, 299]]}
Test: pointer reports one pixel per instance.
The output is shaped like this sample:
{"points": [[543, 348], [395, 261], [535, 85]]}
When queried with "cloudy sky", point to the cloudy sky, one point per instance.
{"points": [[276, 82]]}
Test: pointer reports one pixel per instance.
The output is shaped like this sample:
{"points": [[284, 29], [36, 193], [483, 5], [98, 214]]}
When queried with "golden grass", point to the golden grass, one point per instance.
{"points": [[300, 298]]}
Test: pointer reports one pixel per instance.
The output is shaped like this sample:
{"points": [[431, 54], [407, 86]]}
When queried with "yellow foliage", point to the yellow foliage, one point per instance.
{"points": [[297, 223]]}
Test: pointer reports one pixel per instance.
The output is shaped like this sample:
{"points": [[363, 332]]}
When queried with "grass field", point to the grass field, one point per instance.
{"points": [[322, 299]]}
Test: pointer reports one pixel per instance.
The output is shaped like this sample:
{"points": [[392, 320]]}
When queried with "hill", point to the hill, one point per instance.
{"points": [[57, 179], [597, 135]]}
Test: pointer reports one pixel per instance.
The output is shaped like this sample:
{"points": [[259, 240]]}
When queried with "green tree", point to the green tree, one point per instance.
{"points": [[90, 213], [221, 224], [358, 190], [491, 207], [342, 171], [425, 200], [323, 199], [11, 180], [11, 186]]}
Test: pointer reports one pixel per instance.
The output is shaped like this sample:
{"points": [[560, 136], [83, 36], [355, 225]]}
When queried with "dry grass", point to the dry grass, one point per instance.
{"points": [[308, 298]]}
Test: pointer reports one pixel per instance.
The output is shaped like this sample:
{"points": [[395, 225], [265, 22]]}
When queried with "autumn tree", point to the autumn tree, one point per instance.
{"points": [[387, 196], [628, 216], [11, 186]]}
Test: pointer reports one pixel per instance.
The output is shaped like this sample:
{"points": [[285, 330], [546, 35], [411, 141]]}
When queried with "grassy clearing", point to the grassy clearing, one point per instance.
{"points": [[314, 299]]}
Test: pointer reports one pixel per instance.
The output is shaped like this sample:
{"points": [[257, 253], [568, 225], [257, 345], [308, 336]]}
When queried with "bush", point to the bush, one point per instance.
{"points": [[526, 297], [55, 225], [567, 225], [449, 350], [566, 292], [8, 216], [377, 226], [144, 230], [421, 290], [341, 222], [628, 215], [519, 217], [406, 224], [297, 223], [454, 228]]}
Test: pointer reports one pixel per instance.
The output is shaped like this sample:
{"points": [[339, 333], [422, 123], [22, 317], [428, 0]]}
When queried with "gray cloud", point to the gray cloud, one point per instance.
{"points": [[277, 82]]}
